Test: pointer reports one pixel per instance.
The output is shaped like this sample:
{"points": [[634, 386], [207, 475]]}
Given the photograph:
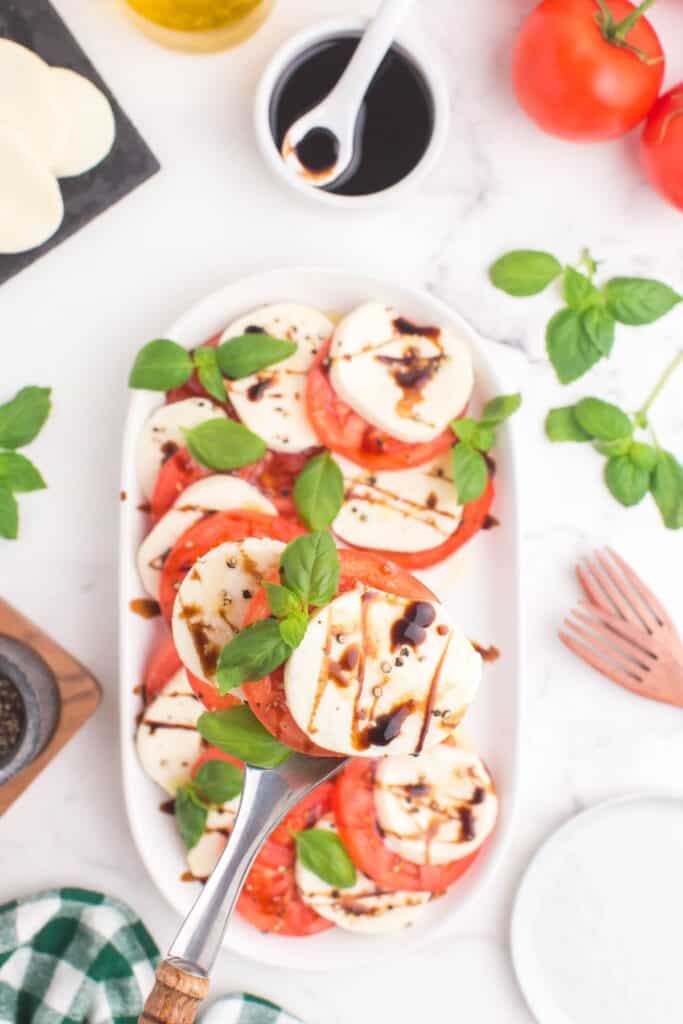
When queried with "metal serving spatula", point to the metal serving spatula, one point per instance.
{"points": [[182, 979]]}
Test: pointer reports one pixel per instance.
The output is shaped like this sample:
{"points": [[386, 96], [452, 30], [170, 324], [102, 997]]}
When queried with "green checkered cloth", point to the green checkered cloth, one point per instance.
{"points": [[69, 956]]}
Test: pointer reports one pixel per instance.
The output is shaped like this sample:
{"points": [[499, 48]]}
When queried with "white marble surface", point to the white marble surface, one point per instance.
{"points": [[75, 318]]}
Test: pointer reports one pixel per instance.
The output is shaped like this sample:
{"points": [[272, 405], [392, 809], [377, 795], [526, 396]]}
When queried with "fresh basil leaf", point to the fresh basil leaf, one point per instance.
{"points": [[578, 290], [484, 437], [210, 377], [561, 425], [666, 485], [190, 816], [500, 409], [19, 474], [22, 418], [643, 455], [253, 653], [524, 272], [602, 420], [464, 429], [324, 854], [627, 482], [319, 492], [219, 781], [9, 514], [470, 474], [223, 444], [293, 628], [249, 353], [599, 325], [619, 447], [238, 731], [310, 567], [639, 300], [160, 365], [569, 347], [283, 602]]}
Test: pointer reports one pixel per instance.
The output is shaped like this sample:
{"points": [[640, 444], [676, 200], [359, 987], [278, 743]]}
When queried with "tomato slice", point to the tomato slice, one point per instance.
{"points": [[177, 473], [209, 695], [208, 533], [214, 754], [348, 434], [473, 518], [354, 810], [275, 475], [266, 697], [161, 667], [270, 899]]}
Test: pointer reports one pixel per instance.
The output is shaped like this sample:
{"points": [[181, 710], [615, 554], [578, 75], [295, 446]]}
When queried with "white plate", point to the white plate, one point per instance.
{"points": [[480, 586], [597, 920]]}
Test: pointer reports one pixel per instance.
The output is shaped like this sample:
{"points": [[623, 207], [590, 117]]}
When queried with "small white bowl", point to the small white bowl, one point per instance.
{"points": [[424, 60]]}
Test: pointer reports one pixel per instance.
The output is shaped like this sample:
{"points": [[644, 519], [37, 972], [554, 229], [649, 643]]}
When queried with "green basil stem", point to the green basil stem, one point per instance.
{"points": [[659, 386]]}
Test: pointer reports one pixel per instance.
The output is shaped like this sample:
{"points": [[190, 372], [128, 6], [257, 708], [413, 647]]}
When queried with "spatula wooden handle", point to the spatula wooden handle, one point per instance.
{"points": [[176, 996]]}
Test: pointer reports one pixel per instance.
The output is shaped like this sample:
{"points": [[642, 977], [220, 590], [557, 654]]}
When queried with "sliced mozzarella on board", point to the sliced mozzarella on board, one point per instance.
{"points": [[380, 675], [271, 403], [408, 380], [162, 435], [402, 510], [89, 119], [29, 105], [363, 907], [436, 808], [31, 206], [217, 493], [213, 598], [168, 743]]}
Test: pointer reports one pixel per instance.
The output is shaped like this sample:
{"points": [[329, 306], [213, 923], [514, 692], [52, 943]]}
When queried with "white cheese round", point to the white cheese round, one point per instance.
{"points": [[29, 105], [218, 493], [400, 510], [167, 741], [89, 119], [162, 435], [31, 206], [202, 858], [436, 808], [272, 403], [363, 907], [407, 380], [213, 599], [379, 675]]}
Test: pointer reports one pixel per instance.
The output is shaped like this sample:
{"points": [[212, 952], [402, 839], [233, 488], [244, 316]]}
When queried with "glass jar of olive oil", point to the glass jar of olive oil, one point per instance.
{"points": [[199, 25]]}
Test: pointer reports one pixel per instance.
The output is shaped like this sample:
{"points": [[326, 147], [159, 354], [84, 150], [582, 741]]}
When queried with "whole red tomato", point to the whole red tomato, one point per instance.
{"points": [[661, 147], [587, 69]]}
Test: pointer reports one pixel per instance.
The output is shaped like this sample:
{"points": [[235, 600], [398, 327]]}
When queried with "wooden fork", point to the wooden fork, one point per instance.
{"points": [[624, 632]]}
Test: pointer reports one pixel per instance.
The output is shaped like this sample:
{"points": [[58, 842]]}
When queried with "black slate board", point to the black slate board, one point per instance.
{"points": [[36, 24]]}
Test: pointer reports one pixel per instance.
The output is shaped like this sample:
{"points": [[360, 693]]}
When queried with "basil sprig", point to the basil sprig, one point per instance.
{"points": [[309, 574], [470, 473], [237, 731], [163, 364], [21, 420], [324, 854], [582, 333], [223, 444], [633, 466], [319, 492], [215, 783]]}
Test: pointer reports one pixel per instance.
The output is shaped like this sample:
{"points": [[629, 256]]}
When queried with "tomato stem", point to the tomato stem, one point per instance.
{"points": [[622, 29], [616, 32], [656, 391]]}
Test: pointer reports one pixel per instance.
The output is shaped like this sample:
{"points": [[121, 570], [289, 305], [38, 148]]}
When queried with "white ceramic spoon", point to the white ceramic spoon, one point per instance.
{"points": [[329, 130]]}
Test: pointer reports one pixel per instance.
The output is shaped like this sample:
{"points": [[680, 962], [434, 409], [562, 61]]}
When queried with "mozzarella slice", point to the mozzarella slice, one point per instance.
{"points": [[271, 403], [436, 808], [217, 493], [213, 598], [162, 435], [403, 510], [31, 206], [202, 858], [363, 907], [167, 741], [89, 119], [381, 675], [408, 380], [28, 104]]}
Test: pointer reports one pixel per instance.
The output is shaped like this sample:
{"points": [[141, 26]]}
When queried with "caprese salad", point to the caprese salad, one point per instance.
{"points": [[298, 468]]}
